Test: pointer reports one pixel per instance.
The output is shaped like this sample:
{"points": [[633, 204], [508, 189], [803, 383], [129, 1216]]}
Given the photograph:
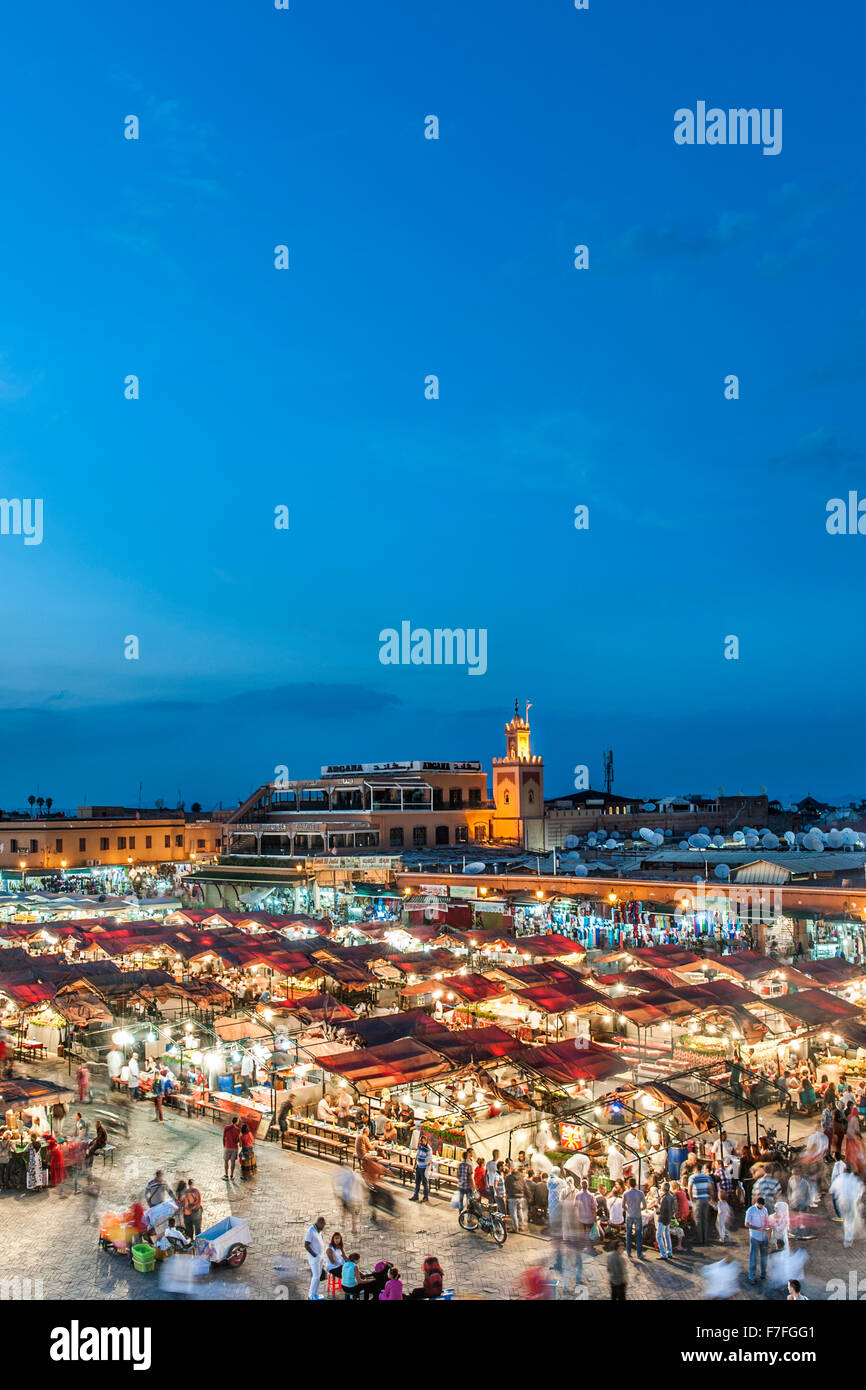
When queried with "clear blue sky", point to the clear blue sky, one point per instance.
{"points": [[408, 257]]}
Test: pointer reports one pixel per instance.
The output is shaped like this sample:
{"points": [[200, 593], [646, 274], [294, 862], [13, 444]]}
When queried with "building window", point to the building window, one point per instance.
{"points": [[103, 842], [34, 846], [474, 796], [82, 845], [480, 832], [148, 842], [442, 836], [455, 796], [396, 837], [461, 835], [419, 835], [121, 842], [200, 844], [168, 842], [132, 842], [178, 840], [58, 846], [531, 797], [507, 798], [13, 845]]}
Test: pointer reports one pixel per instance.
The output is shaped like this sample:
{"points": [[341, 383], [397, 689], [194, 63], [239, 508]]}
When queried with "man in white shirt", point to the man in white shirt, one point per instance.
{"points": [[114, 1061], [534, 1020], [615, 1163], [133, 1076], [315, 1248], [578, 1164], [324, 1111], [248, 1071], [490, 1170]]}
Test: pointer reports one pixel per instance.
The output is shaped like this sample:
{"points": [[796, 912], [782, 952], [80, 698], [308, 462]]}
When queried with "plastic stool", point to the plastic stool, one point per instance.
{"points": [[335, 1284], [107, 1151]]}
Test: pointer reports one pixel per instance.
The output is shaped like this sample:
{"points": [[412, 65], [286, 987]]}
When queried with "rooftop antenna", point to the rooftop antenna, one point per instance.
{"points": [[607, 755]]}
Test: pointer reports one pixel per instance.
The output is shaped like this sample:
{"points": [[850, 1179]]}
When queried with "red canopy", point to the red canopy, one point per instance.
{"points": [[474, 989], [553, 945], [566, 1062], [393, 1064]]}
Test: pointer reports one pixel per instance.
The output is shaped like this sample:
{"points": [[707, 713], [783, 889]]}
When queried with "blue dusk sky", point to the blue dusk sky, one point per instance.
{"points": [[305, 388]]}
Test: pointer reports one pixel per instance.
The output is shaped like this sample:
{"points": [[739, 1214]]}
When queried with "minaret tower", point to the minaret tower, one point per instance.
{"points": [[518, 786]]}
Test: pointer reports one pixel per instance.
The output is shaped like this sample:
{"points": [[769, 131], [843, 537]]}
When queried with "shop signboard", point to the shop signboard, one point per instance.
{"points": [[570, 1136]]}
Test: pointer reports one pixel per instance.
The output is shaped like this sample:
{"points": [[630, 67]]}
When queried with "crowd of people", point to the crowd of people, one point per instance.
{"points": [[342, 1269]]}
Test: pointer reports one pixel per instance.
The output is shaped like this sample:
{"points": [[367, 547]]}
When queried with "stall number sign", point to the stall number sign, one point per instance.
{"points": [[570, 1136]]}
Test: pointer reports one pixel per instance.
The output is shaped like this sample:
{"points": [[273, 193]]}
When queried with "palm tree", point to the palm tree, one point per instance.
{"points": [[49, 802], [32, 801], [40, 802], [195, 808]]}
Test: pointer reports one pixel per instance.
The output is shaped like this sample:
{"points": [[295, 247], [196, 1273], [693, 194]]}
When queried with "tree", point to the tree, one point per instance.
{"points": [[159, 803], [40, 802], [49, 802], [32, 801], [195, 808]]}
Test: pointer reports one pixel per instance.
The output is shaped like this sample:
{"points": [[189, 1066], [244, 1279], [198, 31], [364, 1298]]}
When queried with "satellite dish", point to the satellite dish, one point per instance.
{"points": [[770, 841], [813, 843], [719, 841], [476, 867], [580, 871], [739, 837], [790, 837], [703, 830], [648, 806], [697, 879], [723, 871], [699, 841], [611, 844], [571, 842], [751, 840], [684, 844], [658, 839], [645, 834], [849, 836], [834, 839]]}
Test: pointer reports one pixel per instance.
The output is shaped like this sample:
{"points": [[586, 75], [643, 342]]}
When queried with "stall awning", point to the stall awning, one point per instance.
{"points": [[554, 945], [815, 1006], [20, 1092], [393, 1064], [319, 1008], [385, 1028], [565, 1063], [473, 989], [232, 1030], [464, 1046]]}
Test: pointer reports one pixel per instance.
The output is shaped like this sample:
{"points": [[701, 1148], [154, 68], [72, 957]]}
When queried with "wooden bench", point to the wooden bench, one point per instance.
{"points": [[302, 1137]]}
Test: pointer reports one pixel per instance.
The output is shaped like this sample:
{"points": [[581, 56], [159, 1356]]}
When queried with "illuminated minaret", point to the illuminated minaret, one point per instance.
{"points": [[518, 786]]}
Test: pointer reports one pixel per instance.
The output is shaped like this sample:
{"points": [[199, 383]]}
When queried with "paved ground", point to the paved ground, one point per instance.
{"points": [[52, 1235]]}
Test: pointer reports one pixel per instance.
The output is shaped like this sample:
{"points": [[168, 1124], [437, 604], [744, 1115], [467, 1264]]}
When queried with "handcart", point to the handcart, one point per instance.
{"points": [[225, 1243]]}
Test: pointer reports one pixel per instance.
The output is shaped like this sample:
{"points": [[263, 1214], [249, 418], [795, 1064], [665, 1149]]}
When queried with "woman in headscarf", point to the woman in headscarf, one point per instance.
{"points": [[34, 1165], [853, 1142], [56, 1162]]}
